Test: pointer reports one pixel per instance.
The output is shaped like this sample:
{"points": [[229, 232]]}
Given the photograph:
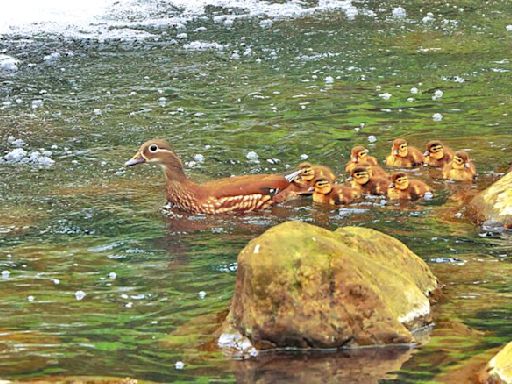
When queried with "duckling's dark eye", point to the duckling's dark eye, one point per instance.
{"points": [[403, 146], [153, 148]]}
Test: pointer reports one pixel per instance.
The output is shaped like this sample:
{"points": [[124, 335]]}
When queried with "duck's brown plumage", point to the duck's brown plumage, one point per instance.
{"points": [[240, 193]]}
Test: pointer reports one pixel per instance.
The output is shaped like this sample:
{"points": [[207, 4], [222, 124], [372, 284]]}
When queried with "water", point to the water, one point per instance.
{"points": [[306, 83]]}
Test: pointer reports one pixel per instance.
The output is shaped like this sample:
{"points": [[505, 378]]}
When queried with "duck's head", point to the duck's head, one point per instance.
{"points": [[400, 181], [323, 186], [361, 175], [307, 173], [460, 160], [435, 149], [358, 153], [159, 152], [399, 148]]}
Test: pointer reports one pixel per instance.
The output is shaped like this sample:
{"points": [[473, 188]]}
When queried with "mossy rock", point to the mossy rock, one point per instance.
{"points": [[302, 286], [494, 204], [499, 369]]}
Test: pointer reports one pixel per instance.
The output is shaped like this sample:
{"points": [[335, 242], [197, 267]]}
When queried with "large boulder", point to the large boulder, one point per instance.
{"points": [[493, 206], [302, 286], [499, 369]]}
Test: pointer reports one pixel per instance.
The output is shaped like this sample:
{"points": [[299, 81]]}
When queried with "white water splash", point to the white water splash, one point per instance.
{"points": [[107, 19]]}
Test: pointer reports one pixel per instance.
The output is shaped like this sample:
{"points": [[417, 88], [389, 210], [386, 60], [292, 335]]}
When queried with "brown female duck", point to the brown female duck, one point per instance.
{"points": [[240, 193]]}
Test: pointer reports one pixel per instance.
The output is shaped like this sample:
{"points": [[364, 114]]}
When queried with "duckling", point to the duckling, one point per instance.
{"points": [[405, 189], [305, 182], [437, 155], [309, 173], [359, 157], [364, 180], [240, 193], [403, 155], [328, 193], [461, 168]]}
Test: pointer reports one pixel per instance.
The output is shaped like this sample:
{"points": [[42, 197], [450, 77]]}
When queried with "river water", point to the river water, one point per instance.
{"points": [[220, 79]]}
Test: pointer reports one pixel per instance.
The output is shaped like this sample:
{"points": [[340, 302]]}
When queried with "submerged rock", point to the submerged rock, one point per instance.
{"points": [[494, 205], [302, 286], [499, 369]]}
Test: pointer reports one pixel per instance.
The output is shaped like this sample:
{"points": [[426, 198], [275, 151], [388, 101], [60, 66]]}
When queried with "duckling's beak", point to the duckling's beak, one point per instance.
{"points": [[291, 177], [137, 159], [426, 153], [395, 152], [311, 189]]}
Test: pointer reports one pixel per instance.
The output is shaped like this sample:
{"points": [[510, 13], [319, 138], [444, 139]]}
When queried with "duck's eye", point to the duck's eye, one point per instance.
{"points": [[403, 146], [153, 148]]}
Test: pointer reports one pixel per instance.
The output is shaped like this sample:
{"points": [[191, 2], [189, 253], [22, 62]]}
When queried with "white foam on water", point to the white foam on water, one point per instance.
{"points": [[107, 19]]}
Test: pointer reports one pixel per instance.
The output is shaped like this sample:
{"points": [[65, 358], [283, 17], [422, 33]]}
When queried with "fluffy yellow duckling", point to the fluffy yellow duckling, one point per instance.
{"points": [[403, 155], [404, 189]]}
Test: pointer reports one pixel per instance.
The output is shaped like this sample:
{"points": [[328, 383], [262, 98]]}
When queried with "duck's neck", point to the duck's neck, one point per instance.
{"points": [[179, 186]]}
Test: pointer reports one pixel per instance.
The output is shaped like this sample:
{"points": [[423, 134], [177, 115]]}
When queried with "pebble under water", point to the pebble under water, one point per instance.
{"points": [[99, 280]]}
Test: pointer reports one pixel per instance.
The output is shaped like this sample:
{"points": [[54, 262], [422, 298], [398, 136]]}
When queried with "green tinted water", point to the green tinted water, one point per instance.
{"points": [[86, 216]]}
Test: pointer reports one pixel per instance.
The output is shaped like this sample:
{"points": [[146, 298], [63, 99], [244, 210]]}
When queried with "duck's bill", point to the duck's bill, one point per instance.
{"points": [[293, 176], [134, 161]]}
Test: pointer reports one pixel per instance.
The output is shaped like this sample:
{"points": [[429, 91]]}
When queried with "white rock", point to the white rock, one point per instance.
{"points": [[56, 281], [5, 275], [329, 80], [438, 93], [179, 365], [372, 139], [79, 295], [399, 12], [304, 156], [182, 35], [437, 117], [251, 155], [112, 275], [97, 111], [414, 90]]}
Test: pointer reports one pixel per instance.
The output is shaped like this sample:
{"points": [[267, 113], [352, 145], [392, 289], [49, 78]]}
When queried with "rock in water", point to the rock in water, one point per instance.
{"points": [[302, 286], [494, 205], [499, 369]]}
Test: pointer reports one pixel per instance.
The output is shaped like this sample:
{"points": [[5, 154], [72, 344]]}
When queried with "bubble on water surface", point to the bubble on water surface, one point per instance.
{"points": [[372, 139], [437, 117], [5, 275], [399, 12], [79, 295], [179, 365], [112, 275], [202, 295]]}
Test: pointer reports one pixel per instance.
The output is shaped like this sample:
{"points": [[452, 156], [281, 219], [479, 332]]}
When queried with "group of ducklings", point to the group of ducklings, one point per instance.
{"points": [[368, 178]]}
